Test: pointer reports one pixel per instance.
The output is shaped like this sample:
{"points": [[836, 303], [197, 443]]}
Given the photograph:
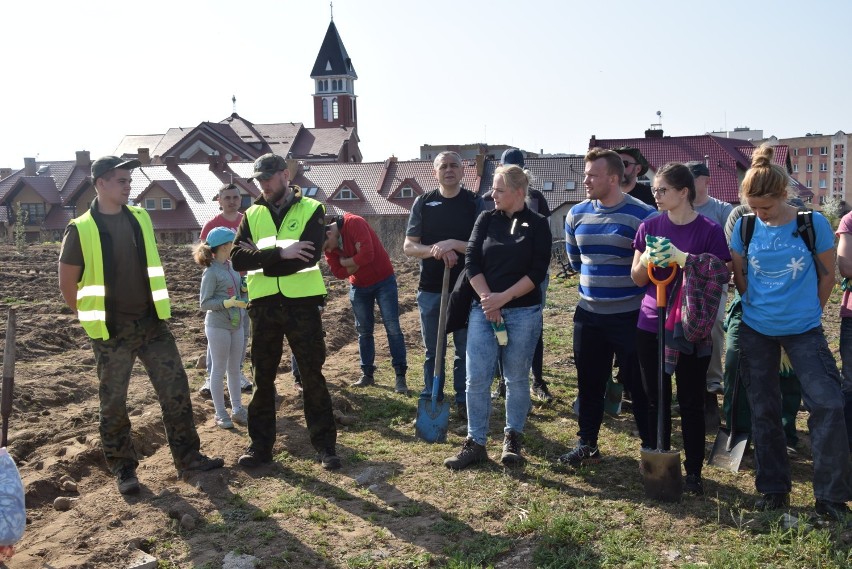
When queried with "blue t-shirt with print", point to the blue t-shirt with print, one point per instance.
{"points": [[782, 295]]}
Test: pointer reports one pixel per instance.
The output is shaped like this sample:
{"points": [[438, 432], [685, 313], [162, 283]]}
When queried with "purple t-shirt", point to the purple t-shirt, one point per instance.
{"points": [[846, 305], [701, 235]]}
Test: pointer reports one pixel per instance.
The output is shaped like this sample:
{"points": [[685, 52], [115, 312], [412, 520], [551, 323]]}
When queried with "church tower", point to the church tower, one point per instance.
{"points": [[334, 78]]}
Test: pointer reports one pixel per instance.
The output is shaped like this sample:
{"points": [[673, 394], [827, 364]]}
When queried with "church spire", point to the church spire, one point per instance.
{"points": [[334, 76]]}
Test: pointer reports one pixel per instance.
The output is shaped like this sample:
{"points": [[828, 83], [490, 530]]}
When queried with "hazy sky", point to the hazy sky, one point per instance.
{"points": [[538, 74]]}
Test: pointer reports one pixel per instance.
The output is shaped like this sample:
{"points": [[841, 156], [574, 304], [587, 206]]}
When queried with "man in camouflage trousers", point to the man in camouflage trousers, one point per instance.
{"points": [[280, 242], [111, 276]]}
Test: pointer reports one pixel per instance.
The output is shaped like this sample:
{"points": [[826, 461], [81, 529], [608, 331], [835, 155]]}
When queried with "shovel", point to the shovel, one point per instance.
{"points": [[8, 375], [661, 468], [730, 446], [433, 416]]}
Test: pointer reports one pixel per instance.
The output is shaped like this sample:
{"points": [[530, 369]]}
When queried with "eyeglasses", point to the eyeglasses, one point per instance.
{"points": [[659, 191], [628, 163]]}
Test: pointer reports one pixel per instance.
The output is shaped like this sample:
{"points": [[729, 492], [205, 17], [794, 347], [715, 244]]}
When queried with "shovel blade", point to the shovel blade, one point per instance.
{"points": [[728, 450], [661, 475], [613, 398], [433, 419]]}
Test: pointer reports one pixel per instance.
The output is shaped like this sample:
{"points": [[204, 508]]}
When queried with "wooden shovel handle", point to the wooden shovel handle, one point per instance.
{"points": [[8, 374]]}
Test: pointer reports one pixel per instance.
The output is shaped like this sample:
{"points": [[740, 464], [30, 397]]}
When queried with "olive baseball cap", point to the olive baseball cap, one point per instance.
{"points": [[267, 165], [106, 163]]}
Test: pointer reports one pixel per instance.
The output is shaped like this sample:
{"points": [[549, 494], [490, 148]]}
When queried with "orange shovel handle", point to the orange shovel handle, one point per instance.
{"points": [[661, 284]]}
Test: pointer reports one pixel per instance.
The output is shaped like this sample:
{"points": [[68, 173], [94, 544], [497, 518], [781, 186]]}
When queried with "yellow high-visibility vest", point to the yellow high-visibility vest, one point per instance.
{"points": [[91, 290]]}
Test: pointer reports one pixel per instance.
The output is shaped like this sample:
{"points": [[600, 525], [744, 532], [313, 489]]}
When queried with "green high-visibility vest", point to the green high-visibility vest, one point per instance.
{"points": [[307, 282], [91, 290]]}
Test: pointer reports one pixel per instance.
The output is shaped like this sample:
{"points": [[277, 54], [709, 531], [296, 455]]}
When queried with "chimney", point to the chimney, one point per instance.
{"points": [[5, 173], [592, 142], [144, 155], [654, 133], [171, 162], [84, 160], [480, 164], [29, 167]]}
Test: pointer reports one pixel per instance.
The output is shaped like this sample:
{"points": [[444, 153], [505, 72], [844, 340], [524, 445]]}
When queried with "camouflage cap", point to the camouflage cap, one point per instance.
{"points": [[106, 163], [267, 165]]}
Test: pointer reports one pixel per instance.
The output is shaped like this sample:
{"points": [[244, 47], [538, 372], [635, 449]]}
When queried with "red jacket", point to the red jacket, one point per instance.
{"points": [[374, 264]]}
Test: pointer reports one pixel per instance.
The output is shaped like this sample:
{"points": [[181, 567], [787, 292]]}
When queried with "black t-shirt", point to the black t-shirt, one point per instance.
{"points": [[436, 218], [642, 192]]}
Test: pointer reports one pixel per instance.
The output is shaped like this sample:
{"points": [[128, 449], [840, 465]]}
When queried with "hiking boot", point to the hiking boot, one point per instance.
{"points": [[581, 455], [541, 392], [127, 481], [715, 388], [511, 449], [205, 392], [499, 391], [772, 501], [245, 385], [329, 459], [365, 381], [470, 453], [693, 485], [461, 412], [401, 386], [254, 458], [203, 463], [240, 416], [837, 511], [224, 423]]}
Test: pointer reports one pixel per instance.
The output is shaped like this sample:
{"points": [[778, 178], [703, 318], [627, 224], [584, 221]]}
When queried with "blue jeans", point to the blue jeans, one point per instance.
{"points": [[364, 299], [429, 304], [524, 328], [814, 364], [846, 373]]}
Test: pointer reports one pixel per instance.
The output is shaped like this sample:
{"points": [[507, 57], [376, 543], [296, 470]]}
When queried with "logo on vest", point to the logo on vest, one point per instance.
{"points": [[293, 225]]}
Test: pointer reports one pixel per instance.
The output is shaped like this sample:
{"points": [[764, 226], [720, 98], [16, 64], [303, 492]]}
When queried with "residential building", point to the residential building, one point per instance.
{"points": [[820, 162]]}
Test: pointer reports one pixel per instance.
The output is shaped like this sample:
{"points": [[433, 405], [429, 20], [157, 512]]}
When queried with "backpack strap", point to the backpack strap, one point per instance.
{"points": [[805, 229], [746, 231]]}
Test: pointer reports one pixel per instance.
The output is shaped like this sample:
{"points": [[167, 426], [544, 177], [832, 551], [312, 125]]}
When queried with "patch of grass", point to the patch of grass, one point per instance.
{"points": [[448, 526], [290, 502], [410, 509], [482, 549]]}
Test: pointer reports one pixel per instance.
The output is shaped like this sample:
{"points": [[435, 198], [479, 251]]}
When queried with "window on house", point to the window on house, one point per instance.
{"points": [[809, 183], [795, 168], [823, 167], [810, 168], [810, 151], [406, 192], [822, 200], [345, 194], [166, 203], [334, 113], [33, 213], [795, 152], [325, 109], [823, 150], [822, 184], [320, 86], [570, 185], [150, 203], [547, 187], [309, 192]]}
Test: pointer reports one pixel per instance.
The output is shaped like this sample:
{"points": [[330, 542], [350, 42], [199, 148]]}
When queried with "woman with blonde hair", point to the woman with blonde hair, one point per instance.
{"points": [[784, 288], [506, 260]]}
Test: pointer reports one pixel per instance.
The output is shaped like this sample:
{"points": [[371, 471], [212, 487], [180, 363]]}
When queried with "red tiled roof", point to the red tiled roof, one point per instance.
{"points": [[44, 186], [726, 159], [168, 186], [58, 217], [181, 218]]}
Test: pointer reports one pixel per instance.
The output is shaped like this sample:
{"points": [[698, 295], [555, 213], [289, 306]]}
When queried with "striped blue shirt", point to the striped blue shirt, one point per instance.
{"points": [[599, 242]]}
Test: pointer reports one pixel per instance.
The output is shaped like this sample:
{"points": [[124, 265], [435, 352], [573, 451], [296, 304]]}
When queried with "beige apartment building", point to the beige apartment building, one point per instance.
{"points": [[820, 162]]}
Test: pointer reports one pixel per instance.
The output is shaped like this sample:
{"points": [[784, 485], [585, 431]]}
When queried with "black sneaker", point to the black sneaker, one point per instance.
{"points": [[541, 392], [365, 381], [205, 393], [254, 458], [247, 388], [837, 511], [693, 485], [127, 481], [581, 455], [401, 386], [461, 412], [772, 501], [329, 459], [511, 449], [198, 461], [470, 453], [500, 390]]}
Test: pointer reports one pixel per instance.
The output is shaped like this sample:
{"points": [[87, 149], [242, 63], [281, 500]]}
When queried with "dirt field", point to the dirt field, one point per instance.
{"points": [[384, 505]]}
